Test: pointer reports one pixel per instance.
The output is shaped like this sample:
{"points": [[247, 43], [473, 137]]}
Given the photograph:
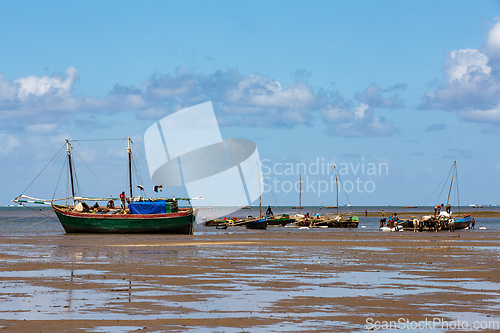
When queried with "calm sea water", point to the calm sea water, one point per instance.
{"points": [[42, 221]]}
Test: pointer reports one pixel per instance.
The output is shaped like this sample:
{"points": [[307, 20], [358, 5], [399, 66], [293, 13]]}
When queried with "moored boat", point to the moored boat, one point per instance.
{"points": [[142, 215], [282, 220], [256, 224]]}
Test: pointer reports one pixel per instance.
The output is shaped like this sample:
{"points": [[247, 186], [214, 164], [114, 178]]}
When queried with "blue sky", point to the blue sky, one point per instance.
{"points": [[411, 85]]}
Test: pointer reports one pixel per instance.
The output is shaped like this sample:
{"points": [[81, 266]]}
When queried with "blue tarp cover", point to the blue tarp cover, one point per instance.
{"points": [[154, 207]]}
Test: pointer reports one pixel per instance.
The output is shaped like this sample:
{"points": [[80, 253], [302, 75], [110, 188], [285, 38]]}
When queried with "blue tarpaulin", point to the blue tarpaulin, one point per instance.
{"points": [[153, 207]]}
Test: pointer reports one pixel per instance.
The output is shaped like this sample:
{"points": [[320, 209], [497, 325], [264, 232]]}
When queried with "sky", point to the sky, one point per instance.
{"points": [[391, 92]]}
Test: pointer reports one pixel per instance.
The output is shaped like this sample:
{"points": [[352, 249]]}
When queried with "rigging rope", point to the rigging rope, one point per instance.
{"points": [[32, 224], [17, 218], [56, 155], [443, 181]]}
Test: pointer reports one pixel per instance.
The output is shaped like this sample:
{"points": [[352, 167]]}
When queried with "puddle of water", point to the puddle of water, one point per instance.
{"points": [[117, 329]]}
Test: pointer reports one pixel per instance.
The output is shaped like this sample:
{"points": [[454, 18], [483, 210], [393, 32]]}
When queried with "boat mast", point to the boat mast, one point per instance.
{"points": [[300, 191], [68, 151], [129, 166], [451, 184], [260, 195], [337, 188]]}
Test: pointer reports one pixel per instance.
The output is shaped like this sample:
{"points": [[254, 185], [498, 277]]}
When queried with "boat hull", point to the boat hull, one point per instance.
{"points": [[343, 224], [279, 220], [169, 223], [256, 225]]}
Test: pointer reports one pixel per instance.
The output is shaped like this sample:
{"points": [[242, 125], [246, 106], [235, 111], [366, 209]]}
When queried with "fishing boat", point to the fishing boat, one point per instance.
{"points": [[438, 220], [256, 224], [145, 216], [281, 220], [340, 220]]}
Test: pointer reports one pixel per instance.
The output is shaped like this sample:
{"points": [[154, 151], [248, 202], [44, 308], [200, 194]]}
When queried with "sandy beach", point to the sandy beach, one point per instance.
{"points": [[280, 279]]}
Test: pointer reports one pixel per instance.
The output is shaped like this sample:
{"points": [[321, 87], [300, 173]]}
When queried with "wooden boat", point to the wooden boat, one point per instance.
{"points": [[432, 223], [436, 222], [344, 222], [339, 220], [279, 220], [179, 222], [256, 224], [464, 222], [142, 216]]}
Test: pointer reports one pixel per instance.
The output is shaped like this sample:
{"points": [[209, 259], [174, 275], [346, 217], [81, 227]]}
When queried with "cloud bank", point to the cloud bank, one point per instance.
{"points": [[37, 103]]}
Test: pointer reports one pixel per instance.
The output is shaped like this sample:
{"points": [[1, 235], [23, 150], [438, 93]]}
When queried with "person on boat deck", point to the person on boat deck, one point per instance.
{"points": [[390, 219], [269, 212], [96, 206], [395, 218], [86, 207], [122, 198], [111, 204], [437, 209], [448, 208]]}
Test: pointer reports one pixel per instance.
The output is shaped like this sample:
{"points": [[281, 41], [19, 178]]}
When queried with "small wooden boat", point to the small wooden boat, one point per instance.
{"points": [[279, 220], [344, 222], [256, 224]]}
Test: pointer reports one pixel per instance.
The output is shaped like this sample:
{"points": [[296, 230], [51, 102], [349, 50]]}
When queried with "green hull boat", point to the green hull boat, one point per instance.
{"points": [[168, 223], [136, 215]]}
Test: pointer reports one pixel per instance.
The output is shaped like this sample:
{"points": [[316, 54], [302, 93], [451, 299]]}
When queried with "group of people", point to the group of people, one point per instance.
{"points": [[111, 203], [437, 209]]}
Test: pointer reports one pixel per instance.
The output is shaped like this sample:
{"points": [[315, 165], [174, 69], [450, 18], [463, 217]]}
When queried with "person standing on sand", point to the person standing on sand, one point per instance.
{"points": [[366, 212], [473, 223], [383, 214]]}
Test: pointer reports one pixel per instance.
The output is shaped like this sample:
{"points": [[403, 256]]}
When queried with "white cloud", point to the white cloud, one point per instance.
{"points": [[8, 143], [486, 116], [467, 66], [359, 112], [40, 86], [492, 45], [472, 87]]}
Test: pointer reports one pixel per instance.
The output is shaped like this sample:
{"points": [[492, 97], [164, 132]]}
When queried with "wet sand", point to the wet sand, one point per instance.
{"points": [[280, 279]]}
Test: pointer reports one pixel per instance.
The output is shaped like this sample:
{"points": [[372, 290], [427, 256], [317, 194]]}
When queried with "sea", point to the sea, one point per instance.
{"points": [[19, 220]]}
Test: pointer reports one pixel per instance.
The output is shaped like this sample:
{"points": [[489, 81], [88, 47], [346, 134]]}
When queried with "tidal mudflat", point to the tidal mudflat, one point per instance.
{"points": [[236, 280]]}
